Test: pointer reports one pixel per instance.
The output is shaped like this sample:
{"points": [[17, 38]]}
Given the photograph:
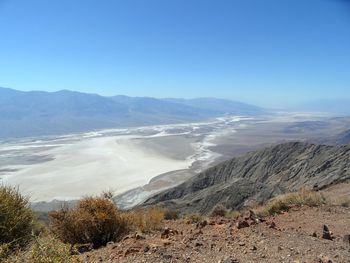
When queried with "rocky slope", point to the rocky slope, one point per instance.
{"points": [[295, 237], [259, 176]]}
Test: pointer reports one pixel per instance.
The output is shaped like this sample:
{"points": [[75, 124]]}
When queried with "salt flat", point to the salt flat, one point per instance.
{"points": [[91, 166], [74, 165]]}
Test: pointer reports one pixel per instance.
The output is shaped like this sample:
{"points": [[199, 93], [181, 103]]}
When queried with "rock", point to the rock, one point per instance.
{"points": [[249, 215], [198, 244], [202, 224], [139, 236], [253, 248], [326, 259], [146, 248], [166, 243], [314, 234], [326, 233], [272, 225], [242, 224], [167, 256], [229, 260], [84, 248], [346, 239], [241, 244]]}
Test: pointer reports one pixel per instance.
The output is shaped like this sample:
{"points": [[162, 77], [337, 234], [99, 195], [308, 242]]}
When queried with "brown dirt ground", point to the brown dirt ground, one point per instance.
{"points": [[291, 240]]}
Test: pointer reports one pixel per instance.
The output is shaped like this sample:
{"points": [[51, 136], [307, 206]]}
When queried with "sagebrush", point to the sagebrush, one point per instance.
{"points": [[16, 218], [94, 220]]}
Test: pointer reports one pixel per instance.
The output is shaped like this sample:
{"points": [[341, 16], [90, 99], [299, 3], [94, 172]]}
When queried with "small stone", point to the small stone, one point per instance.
{"points": [[146, 248], [138, 236], [242, 224], [253, 248], [229, 260], [198, 244], [272, 225], [241, 244], [314, 234], [167, 256], [326, 233]]}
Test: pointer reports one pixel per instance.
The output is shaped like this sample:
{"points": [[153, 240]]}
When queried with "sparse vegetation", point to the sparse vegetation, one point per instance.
{"points": [[171, 214], [95, 220], [194, 218], [304, 197], [16, 219], [219, 210], [344, 201], [44, 250], [234, 214], [145, 220]]}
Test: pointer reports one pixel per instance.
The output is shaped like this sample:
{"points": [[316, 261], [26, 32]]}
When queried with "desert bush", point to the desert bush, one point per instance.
{"points": [[16, 219], [219, 210], [171, 214], [94, 220], [145, 220], [234, 214]]}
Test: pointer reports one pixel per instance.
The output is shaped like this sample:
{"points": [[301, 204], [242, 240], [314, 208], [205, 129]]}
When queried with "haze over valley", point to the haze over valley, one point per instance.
{"points": [[136, 162]]}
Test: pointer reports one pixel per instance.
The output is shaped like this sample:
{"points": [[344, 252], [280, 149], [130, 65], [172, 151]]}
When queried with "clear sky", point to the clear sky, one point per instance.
{"points": [[271, 53]]}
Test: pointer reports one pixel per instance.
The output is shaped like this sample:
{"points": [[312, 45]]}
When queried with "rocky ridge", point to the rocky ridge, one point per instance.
{"points": [[259, 176]]}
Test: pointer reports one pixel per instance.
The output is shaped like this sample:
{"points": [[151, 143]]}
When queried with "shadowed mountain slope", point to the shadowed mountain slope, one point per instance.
{"points": [[259, 176]]}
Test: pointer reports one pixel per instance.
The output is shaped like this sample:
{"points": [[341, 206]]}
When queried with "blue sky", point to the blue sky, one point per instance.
{"points": [[271, 53]]}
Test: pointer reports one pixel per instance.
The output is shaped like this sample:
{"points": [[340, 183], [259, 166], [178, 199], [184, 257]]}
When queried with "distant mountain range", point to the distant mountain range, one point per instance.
{"points": [[258, 176], [338, 106], [37, 113]]}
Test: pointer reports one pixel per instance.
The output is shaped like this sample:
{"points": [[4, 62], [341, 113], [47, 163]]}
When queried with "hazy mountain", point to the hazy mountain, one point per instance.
{"points": [[47, 113], [219, 105], [260, 175], [338, 106]]}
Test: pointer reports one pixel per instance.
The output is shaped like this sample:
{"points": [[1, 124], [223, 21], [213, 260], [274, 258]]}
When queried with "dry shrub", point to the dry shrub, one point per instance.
{"points": [[16, 219], [94, 220], [171, 214], [145, 220], [304, 197], [219, 210], [45, 250], [234, 214]]}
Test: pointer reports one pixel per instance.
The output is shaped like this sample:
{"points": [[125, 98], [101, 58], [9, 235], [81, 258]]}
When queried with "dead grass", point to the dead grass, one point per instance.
{"points": [[304, 197], [44, 250]]}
